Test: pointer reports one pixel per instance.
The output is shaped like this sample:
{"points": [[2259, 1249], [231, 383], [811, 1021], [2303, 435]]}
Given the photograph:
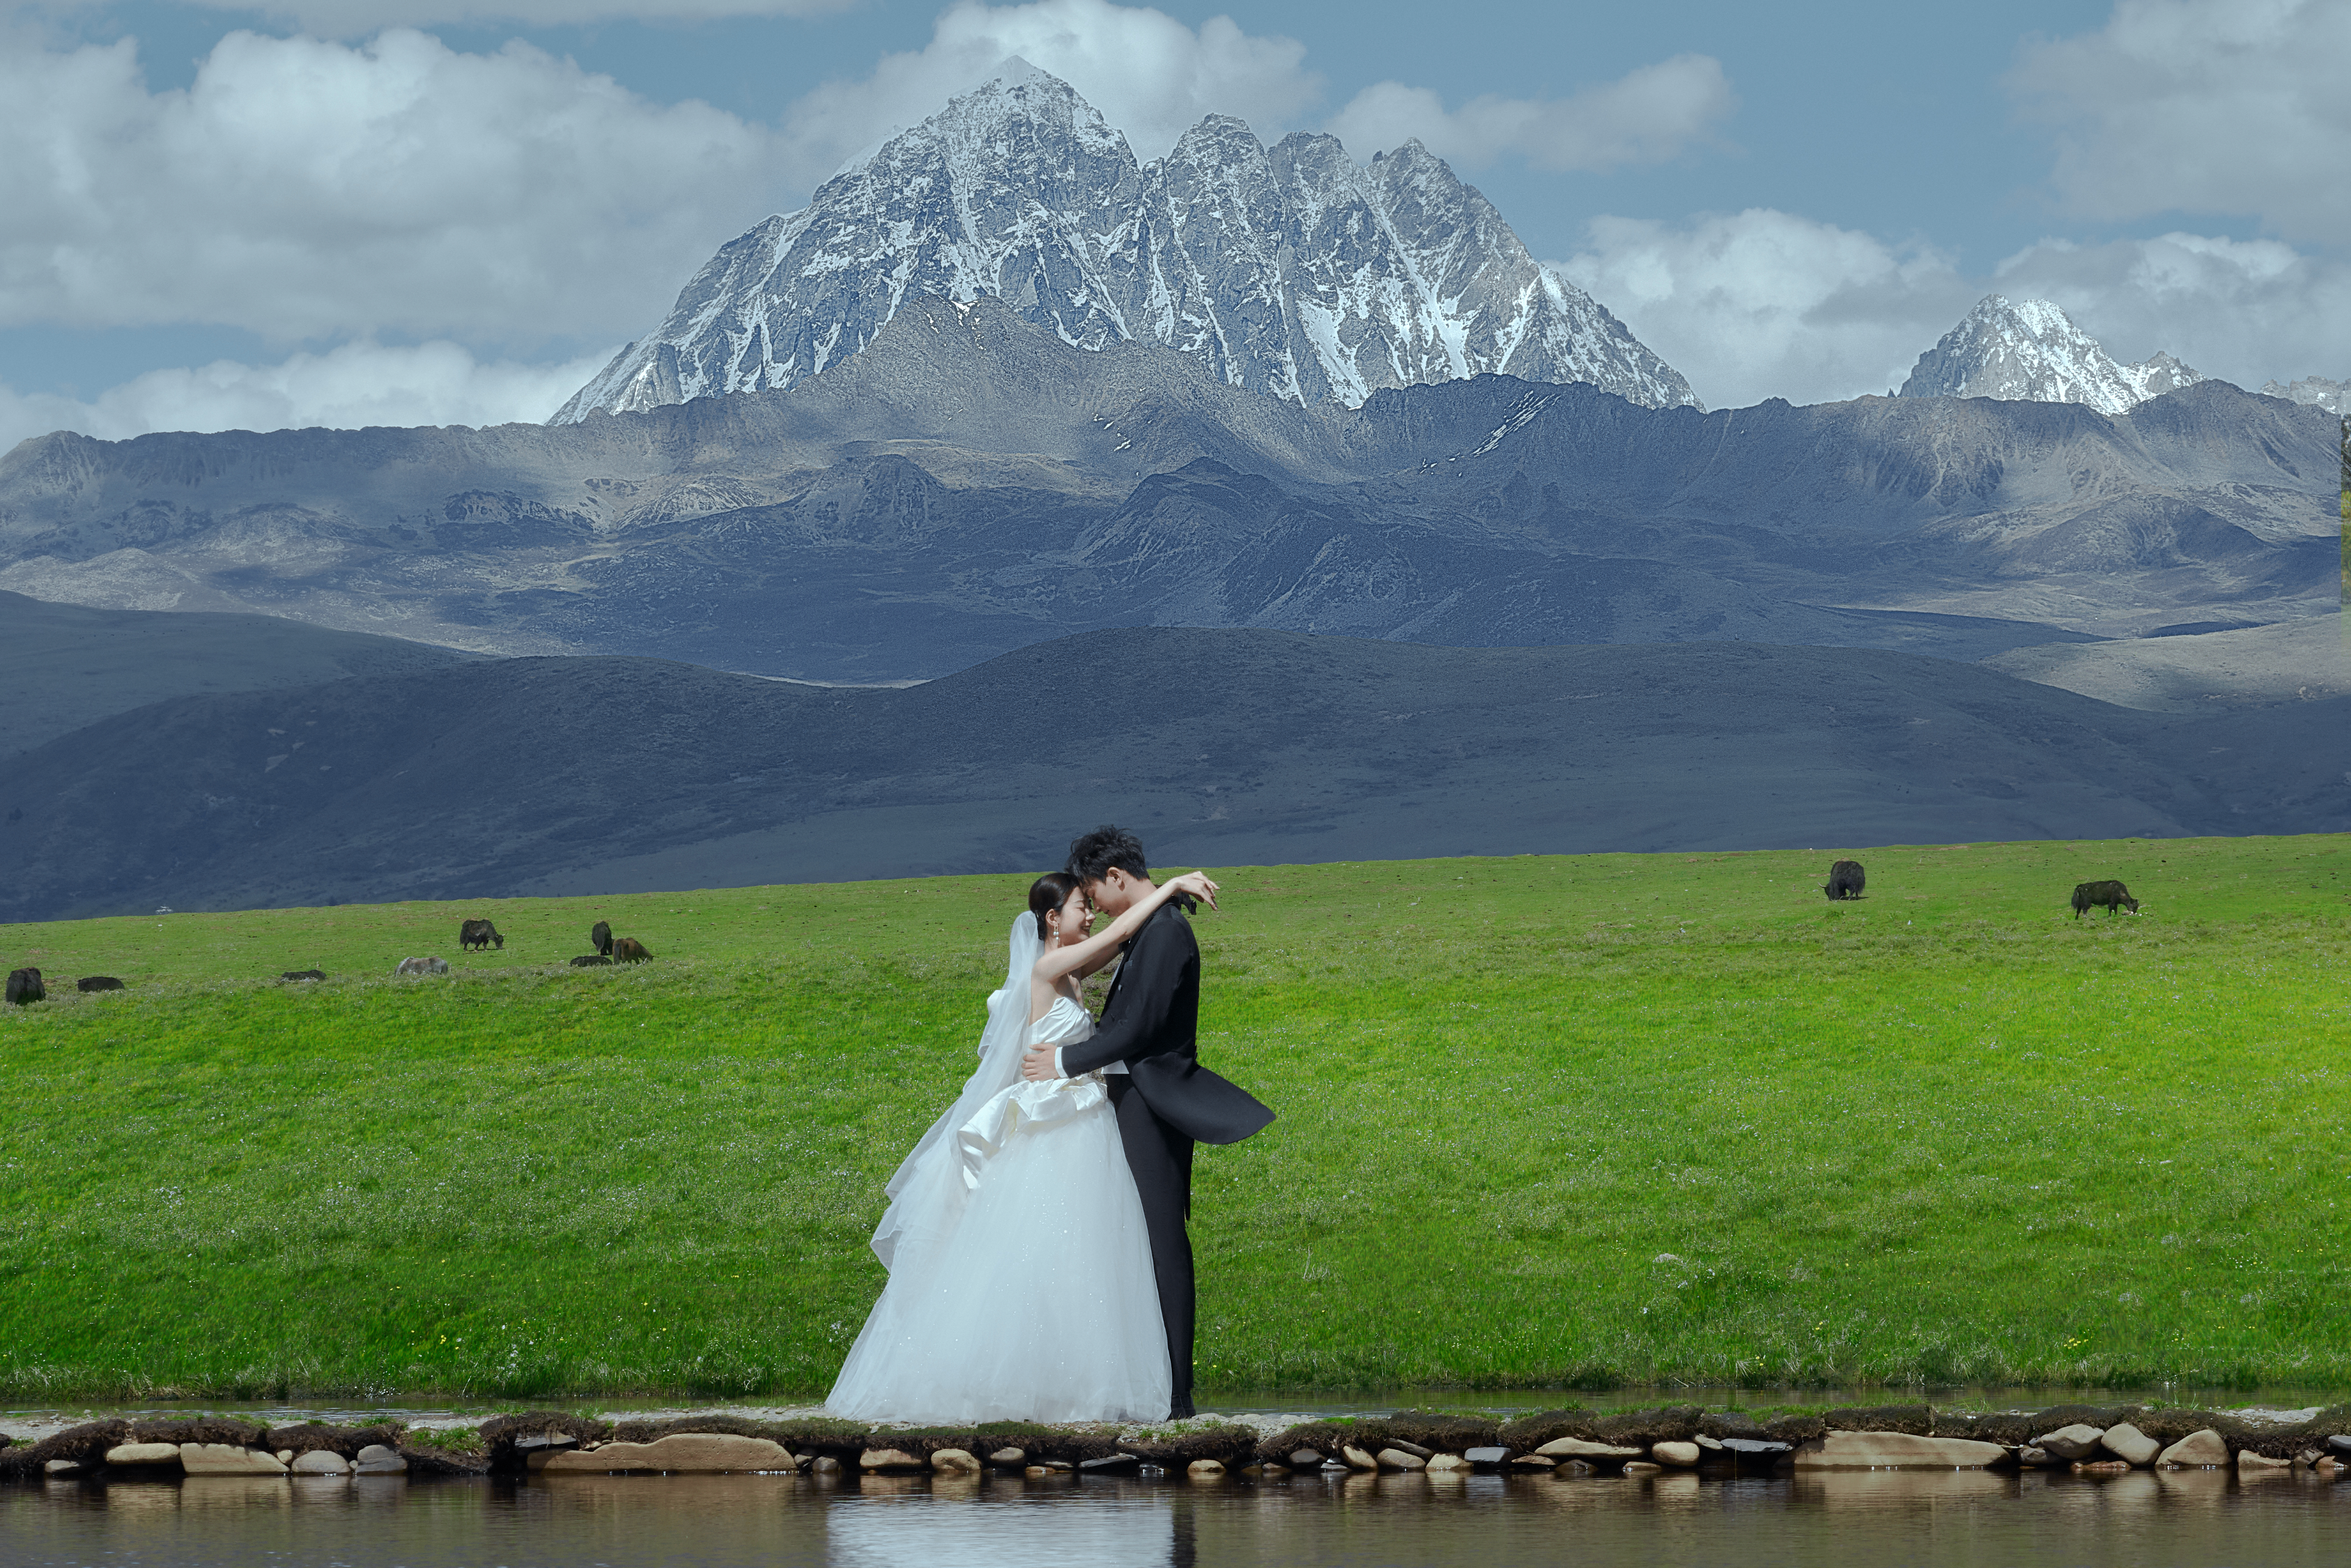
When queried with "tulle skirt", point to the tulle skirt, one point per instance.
{"points": [[1038, 1303]]}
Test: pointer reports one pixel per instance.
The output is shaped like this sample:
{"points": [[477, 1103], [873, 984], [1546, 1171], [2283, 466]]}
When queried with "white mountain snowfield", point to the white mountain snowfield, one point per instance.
{"points": [[2030, 350], [1292, 270]]}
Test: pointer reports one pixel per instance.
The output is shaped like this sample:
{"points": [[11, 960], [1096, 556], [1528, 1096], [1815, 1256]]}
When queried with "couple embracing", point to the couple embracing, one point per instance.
{"points": [[1040, 1270]]}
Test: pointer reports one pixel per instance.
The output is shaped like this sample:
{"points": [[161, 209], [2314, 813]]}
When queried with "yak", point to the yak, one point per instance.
{"points": [[1846, 880], [629, 950], [2109, 895], [599, 937], [474, 933], [589, 960], [422, 967], [303, 975], [24, 988], [97, 983]]}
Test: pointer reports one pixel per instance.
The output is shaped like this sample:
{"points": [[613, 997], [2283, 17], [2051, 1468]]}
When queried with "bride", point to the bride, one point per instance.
{"points": [[1020, 1277]]}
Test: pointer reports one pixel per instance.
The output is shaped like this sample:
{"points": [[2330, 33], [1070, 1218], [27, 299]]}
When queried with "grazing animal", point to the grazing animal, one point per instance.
{"points": [[600, 936], [2111, 896], [422, 967], [1846, 880], [304, 975], [629, 950], [589, 960], [479, 933], [97, 983], [24, 988]]}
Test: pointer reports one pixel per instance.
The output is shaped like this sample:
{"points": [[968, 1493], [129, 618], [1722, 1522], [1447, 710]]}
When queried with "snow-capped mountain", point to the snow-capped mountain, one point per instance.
{"points": [[2030, 350], [2334, 397], [1292, 270]]}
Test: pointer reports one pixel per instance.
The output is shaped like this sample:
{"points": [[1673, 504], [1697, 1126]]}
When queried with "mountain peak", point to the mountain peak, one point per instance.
{"points": [[2334, 397], [1014, 71], [2031, 350], [1290, 271]]}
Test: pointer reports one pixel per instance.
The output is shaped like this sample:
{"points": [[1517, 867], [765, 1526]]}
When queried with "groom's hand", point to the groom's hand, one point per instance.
{"points": [[1037, 1066]]}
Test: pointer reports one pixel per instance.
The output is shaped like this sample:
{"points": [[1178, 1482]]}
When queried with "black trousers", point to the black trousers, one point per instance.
{"points": [[1161, 1158]]}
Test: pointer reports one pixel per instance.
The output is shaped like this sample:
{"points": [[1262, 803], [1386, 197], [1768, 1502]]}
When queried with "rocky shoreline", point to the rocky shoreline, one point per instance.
{"points": [[2080, 1438]]}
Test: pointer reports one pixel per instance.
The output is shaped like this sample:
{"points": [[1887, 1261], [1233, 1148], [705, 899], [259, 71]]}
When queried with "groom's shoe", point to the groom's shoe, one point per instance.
{"points": [[1181, 1412]]}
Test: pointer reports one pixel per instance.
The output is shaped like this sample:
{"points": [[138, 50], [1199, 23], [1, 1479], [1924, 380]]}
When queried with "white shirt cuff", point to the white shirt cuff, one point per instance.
{"points": [[1057, 1064]]}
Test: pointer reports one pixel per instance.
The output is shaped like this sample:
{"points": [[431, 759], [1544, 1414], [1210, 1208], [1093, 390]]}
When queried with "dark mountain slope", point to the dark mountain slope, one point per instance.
{"points": [[543, 775], [67, 665]]}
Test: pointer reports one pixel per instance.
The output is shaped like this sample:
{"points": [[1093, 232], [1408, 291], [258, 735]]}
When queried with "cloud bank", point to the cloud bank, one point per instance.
{"points": [[2191, 106], [1150, 75], [301, 189], [356, 385], [358, 18], [1645, 117], [1768, 304]]}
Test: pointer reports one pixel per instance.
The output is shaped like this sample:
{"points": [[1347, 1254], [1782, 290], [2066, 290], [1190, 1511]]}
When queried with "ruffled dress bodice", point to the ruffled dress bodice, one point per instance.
{"points": [[982, 1138]]}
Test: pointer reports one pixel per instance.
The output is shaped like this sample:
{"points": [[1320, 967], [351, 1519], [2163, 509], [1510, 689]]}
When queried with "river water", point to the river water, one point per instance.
{"points": [[1880, 1519]]}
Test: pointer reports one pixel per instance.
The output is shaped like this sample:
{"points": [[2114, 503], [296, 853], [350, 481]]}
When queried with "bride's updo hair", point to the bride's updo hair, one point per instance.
{"points": [[1048, 894]]}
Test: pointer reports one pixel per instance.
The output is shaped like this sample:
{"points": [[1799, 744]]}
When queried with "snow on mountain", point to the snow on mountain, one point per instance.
{"points": [[2030, 350], [2334, 397], [1292, 270]]}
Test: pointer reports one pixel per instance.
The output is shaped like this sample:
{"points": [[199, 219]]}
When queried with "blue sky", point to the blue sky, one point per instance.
{"points": [[439, 210]]}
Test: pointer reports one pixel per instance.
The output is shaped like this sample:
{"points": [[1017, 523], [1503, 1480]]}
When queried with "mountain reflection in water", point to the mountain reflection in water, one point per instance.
{"points": [[1914, 1518]]}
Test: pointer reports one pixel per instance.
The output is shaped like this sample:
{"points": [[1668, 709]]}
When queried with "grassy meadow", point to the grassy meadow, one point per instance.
{"points": [[1544, 1121]]}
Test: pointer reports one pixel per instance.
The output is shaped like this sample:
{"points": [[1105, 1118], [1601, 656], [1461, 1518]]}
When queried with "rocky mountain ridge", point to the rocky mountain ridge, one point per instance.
{"points": [[2030, 350], [971, 483], [1290, 270], [2333, 396]]}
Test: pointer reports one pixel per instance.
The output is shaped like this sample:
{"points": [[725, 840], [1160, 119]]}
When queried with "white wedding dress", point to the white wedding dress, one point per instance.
{"points": [[1020, 1279]]}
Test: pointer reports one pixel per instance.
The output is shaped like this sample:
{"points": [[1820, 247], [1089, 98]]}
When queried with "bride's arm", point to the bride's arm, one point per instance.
{"points": [[1096, 951]]}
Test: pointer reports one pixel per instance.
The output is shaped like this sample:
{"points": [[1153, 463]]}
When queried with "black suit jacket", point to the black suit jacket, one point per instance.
{"points": [[1149, 1021]]}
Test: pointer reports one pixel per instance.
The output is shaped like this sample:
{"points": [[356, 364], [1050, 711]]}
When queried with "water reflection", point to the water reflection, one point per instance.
{"points": [[1008, 1528], [1918, 1519]]}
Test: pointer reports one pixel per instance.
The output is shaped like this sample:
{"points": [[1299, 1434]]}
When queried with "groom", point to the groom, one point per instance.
{"points": [[1166, 1100]]}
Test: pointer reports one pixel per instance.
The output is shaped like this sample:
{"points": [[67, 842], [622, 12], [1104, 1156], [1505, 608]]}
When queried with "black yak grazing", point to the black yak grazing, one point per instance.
{"points": [[2109, 895], [600, 936], [479, 933], [24, 988], [1846, 880]]}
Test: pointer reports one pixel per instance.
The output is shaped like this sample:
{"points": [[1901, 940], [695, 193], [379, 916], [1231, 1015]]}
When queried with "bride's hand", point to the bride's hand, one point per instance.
{"points": [[1198, 885]]}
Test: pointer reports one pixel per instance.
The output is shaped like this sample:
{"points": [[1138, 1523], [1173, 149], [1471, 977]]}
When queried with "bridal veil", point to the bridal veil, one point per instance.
{"points": [[927, 1194]]}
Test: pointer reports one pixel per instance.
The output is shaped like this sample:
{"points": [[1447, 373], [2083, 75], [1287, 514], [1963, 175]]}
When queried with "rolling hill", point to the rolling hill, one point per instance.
{"points": [[576, 775], [70, 666]]}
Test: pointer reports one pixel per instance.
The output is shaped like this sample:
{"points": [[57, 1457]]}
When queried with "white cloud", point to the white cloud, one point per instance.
{"points": [[2200, 106], [2246, 311], [1646, 116], [1150, 75], [316, 191], [353, 386], [1768, 304], [358, 18], [303, 189]]}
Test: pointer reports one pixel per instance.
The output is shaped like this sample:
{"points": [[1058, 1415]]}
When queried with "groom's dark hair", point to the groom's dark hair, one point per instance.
{"points": [[1105, 850]]}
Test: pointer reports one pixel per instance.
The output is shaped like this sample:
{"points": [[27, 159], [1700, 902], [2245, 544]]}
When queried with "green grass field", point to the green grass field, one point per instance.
{"points": [[1545, 1121]]}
